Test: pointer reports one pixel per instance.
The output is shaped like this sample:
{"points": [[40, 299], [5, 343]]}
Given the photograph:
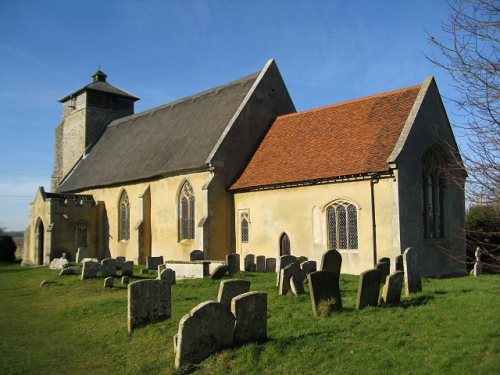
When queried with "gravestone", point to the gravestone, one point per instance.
{"points": [[284, 261], [108, 267], [287, 273], [128, 268], [81, 253], [125, 280], [302, 259], [297, 284], [233, 261], [167, 274], [161, 267], [250, 311], [308, 266], [270, 264], [109, 282], [196, 255], [90, 269], [220, 271], [331, 261], [398, 263], [261, 263], [228, 289], [73, 270], [369, 289], [391, 293], [324, 292], [413, 283], [478, 265], [148, 301], [249, 263], [152, 263], [385, 270], [119, 262], [58, 263], [384, 260], [208, 328]]}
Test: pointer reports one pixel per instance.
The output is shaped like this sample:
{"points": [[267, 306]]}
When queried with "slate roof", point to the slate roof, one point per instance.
{"points": [[351, 138], [175, 137]]}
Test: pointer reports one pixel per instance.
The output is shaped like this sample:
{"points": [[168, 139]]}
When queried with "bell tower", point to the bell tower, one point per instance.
{"points": [[86, 113]]}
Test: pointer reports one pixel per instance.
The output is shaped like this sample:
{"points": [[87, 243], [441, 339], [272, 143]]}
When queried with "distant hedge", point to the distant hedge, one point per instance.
{"points": [[7, 248]]}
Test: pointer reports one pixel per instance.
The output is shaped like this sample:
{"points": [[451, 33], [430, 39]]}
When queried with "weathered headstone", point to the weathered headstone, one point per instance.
{"points": [[109, 282], [125, 280], [324, 291], [220, 271], [308, 266], [208, 328], [128, 268], [167, 274], [384, 260], [196, 255], [331, 261], [413, 283], [228, 289], [369, 289], [148, 301], [250, 311], [284, 261], [391, 294], [270, 264], [108, 267], [478, 265], [90, 269], [297, 284], [287, 273], [233, 261], [161, 267], [119, 262], [261, 263], [58, 263], [302, 259], [152, 263], [249, 263], [73, 270], [398, 263], [81, 253], [385, 270]]}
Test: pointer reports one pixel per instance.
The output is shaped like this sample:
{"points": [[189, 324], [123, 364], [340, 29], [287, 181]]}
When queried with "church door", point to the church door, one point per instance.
{"points": [[284, 245], [39, 242]]}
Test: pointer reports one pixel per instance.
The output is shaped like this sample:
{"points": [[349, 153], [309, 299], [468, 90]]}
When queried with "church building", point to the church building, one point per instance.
{"points": [[237, 169]]}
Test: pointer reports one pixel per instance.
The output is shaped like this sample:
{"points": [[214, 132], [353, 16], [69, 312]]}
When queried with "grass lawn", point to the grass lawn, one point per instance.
{"points": [[78, 327]]}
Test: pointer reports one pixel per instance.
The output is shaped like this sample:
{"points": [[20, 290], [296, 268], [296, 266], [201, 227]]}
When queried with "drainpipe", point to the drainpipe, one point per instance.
{"points": [[374, 178]]}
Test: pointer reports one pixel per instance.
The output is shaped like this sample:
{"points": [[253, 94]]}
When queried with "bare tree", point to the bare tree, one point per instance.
{"points": [[470, 56]]}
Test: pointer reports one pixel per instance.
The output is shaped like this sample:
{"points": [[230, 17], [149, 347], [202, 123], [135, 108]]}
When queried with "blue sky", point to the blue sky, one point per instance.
{"points": [[327, 51]]}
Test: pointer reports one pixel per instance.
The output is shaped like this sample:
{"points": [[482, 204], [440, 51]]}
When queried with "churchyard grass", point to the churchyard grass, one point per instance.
{"points": [[79, 327]]}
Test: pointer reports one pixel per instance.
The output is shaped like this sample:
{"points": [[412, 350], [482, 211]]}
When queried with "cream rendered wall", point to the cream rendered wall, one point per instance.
{"points": [[164, 215], [301, 213], [39, 210]]}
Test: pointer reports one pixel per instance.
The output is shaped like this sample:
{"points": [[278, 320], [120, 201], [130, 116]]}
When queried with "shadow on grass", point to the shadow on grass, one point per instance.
{"points": [[416, 301]]}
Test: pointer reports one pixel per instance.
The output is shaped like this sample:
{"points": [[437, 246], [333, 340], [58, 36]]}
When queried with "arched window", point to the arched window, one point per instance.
{"points": [[244, 227], [433, 190], [342, 222], [284, 244], [82, 234], [124, 217], [186, 212]]}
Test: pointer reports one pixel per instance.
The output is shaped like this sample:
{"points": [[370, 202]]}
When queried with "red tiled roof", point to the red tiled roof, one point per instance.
{"points": [[349, 138]]}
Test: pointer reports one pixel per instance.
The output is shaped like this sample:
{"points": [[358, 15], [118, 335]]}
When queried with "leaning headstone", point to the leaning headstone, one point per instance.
{"points": [[167, 274], [161, 267], [125, 280], [196, 255], [308, 266], [108, 267], [58, 263], [331, 261], [398, 263], [391, 294], [384, 260], [324, 291], [119, 262], [81, 253], [369, 289], [128, 268], [208, 328], [413, 283], [220, 271], [233, 261], [152, 263], [228, 289], [109, 282], [385, 270], [73, 270], [478, 266], [270, 264], [287, 273], [297, 284], [90, 269], [250, 311], [285, 260], [249, 263], [261, 263], [148, 301]]}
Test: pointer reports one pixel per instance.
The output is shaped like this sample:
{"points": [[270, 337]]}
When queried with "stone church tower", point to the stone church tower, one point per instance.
{"points": [[86, 113]]}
